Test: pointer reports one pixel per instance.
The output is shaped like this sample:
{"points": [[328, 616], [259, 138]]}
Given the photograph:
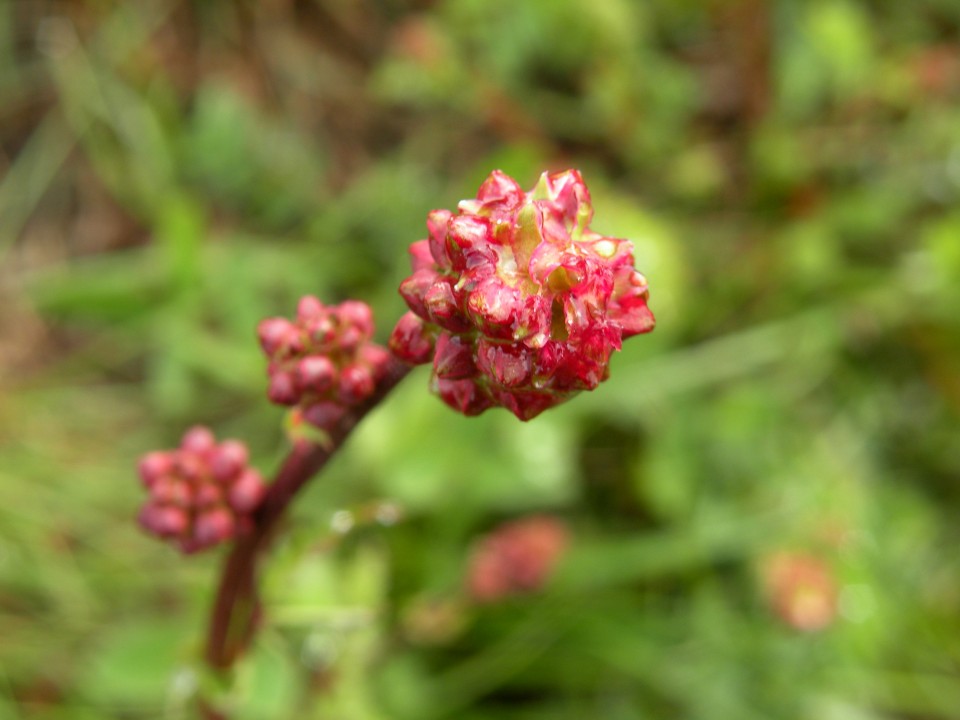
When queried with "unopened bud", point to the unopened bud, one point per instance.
{"points": [[163, 520], [277, 335], [411, 341], [213, 526], [283, 389], [247, 492], [540, 300], [198, 440], [316, 373], [309, 308], [228, 460], [356, 384], [154, 466]]}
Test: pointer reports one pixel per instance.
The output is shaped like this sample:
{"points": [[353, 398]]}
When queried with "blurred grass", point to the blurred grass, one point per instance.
{"points": [[171, 172]]}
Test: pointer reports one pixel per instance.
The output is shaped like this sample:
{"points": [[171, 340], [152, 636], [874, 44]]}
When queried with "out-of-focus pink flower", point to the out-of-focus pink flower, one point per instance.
{"points": [[516, 302], [515, 558], [323, 360], [201, 493], [801, 589]]}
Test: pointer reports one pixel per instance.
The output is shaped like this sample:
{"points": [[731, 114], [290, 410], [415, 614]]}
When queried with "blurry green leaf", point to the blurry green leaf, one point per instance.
{"points": [[131, 664], [179, 238], [112, 287], [267, 684]]}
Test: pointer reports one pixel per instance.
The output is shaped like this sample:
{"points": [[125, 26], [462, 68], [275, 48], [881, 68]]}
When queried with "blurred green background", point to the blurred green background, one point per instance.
{"points": [[789, 172]]}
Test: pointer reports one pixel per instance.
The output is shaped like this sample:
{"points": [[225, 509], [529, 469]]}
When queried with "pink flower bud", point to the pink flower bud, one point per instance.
{"points": [[321, 331], [278, 335], [500, 191], [228, 460], [309, 308], [153, 466], [174, 490], [213, 526], [283, 389], [443, 306], [463, 396], [411, 341], [510, 365], [350, 340], [415, 287], [354, 313], [189, 465], [420, 256], [316, 373], [199, 493], [453, 359], [246, 493], [376, 358], [517, 557], [437, 225], [198, 440], [333, 361], [207, 495], [356, 384], [538, 300], [163, 520]]}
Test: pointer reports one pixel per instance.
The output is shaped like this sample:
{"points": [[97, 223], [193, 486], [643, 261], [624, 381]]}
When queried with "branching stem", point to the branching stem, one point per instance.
{"points": [[236, 609]]}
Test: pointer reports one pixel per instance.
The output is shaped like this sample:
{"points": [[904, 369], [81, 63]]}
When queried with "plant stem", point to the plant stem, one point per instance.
{"points": [[236, 609]]}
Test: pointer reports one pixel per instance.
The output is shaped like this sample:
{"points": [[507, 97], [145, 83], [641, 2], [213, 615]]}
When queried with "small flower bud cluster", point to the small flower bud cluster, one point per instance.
{"points": [[201, 493], [323, 361], [515, 301], [516, 558]]}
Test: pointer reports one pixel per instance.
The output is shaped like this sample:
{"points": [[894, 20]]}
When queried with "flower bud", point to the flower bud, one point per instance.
{"points": [[277, 335], [163, 520], [228, 460], [316, 373], [356, 383], [309, 308], [517, 557], [538, 300], [283, 388], [453, 359], [197, 440], [211, 527], [333, 359], [154, 466], [247, 492], [200, 493], [411, 341]]}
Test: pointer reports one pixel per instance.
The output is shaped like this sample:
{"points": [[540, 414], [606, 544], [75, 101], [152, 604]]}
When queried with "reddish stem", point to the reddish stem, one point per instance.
{"points": [[237, 605]]}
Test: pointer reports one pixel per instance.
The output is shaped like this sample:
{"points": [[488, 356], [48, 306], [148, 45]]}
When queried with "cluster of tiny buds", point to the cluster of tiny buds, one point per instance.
{"points": [[201, 493], [516, 558], [322, 361]]}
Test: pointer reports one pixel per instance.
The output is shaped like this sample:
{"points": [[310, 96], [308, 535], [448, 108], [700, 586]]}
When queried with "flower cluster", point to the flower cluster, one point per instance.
{"points": [[515, 301], [201, 493], [323, 361], [517, 557]]}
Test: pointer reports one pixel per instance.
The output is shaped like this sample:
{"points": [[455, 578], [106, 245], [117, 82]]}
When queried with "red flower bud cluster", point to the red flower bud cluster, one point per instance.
{"points": [[201, 493], [517, 557], [323, 361], [515, 301]]}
